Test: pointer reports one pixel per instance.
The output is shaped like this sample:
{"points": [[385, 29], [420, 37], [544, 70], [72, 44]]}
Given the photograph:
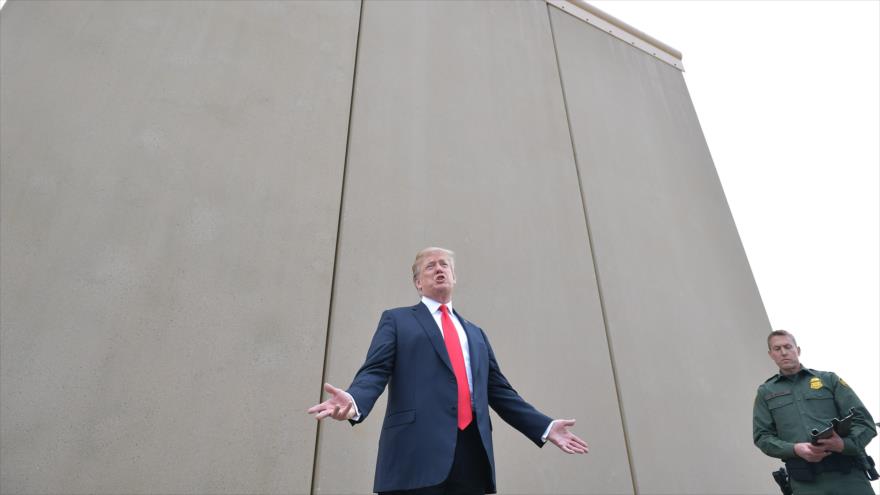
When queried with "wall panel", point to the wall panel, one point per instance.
{"points": [[685, 319], [459, 139], [171, 176]]}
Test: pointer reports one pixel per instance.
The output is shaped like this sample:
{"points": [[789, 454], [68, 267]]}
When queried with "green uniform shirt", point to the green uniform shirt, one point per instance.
{"points": [[787, 408]]}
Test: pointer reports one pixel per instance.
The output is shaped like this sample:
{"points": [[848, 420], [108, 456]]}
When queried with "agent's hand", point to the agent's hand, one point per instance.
{"points": [[567, 441], [832, 444], [810, 452], [339, 406]]}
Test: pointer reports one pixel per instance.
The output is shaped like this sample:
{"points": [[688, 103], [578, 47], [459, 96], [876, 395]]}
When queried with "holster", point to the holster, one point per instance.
{"points": [[800, 470], [781, 479]]}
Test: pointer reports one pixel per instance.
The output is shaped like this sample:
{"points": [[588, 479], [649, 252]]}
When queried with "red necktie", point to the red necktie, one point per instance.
{"points": [[453, 347]]}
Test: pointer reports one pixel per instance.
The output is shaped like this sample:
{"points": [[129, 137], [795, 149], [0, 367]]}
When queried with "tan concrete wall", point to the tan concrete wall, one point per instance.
{"points": [[685, 319], [171, 177]]}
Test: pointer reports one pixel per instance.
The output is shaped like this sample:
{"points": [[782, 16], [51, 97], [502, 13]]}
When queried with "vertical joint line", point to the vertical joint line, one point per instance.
{"points": [[626, 440], [338, 235]]}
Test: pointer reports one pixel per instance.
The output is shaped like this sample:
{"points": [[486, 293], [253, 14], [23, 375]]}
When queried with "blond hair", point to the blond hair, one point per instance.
{"points": [[417, 264]]}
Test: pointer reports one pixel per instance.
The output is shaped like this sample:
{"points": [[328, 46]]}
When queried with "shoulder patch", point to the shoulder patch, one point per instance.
{"points": [[842, 382]]}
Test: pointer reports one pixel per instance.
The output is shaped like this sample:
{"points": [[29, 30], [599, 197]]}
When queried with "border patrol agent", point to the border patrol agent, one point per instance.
{"points": [[797, 400]]}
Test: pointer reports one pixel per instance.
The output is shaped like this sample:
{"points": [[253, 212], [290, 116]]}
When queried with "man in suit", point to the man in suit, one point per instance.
{"points": [[442, 377]]}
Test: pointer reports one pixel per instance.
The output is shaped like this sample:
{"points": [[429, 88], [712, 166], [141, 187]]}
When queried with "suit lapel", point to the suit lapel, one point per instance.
{"points": [[423, 316]]}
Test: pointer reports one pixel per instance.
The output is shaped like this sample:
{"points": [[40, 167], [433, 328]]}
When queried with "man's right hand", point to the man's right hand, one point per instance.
{"points": [[339, 406], [810, 452]]}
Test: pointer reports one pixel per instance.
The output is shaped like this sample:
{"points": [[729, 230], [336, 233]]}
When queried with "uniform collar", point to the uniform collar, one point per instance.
{"points": [[803, 370]]}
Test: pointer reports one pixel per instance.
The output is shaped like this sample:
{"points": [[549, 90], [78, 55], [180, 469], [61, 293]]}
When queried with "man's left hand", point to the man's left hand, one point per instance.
{"points": [[567, 441], [340, 405], [832, 444]]}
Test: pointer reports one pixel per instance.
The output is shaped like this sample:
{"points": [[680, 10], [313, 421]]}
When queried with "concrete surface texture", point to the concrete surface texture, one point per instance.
{"points": [[683, 314], [206, 205]]}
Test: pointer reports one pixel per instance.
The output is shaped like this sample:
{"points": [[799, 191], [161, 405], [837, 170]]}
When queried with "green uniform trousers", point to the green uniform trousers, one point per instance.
{"points": [[833, 483]]}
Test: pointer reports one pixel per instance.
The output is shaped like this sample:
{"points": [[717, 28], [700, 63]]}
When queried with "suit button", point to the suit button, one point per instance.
{"points": [[453, 408]]}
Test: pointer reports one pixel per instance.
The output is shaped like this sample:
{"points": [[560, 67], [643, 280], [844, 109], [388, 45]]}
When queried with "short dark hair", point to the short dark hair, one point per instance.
{"points": [[780, 333]]}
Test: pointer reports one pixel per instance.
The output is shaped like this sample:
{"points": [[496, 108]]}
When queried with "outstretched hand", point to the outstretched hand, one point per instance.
{"points": [[567, 441], [339, 406]]}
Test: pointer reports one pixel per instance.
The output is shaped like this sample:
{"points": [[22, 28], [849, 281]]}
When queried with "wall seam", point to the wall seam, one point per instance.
{"points": [[626, 440], [338, 235]]}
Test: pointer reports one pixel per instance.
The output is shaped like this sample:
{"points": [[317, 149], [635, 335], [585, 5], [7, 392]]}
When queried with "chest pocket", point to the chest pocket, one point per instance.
{"points": [[784, 411], [780, 401], [820, 403]]}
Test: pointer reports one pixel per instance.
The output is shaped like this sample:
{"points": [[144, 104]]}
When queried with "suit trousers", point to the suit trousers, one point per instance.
{"points": [[470, 468]]}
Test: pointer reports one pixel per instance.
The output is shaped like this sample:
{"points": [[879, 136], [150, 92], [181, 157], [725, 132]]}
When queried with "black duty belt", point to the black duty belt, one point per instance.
{"points": [[801, 470]]}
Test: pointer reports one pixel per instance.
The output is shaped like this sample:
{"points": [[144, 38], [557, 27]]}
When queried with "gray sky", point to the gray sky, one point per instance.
{"points": [[788, 96]]}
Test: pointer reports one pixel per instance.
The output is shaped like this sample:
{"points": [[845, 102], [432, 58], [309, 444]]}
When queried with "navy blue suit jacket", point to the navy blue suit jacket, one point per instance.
{"points": [[417, 443]]}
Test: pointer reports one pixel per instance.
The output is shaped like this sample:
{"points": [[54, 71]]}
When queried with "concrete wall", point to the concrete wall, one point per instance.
{"points": [[206, 205], [469, 148], [684, 316], [171, 178]]}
